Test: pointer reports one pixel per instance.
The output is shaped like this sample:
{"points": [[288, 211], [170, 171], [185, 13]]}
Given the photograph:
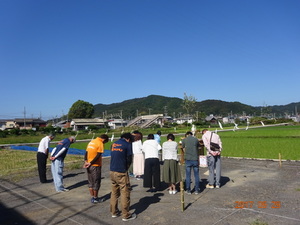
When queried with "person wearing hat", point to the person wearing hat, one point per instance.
{"points": [[58, 155], [42, 156]]}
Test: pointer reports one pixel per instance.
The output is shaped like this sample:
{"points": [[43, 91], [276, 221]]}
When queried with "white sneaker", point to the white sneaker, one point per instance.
{"points": [[170, 192], [174, 192], [131, 217]]}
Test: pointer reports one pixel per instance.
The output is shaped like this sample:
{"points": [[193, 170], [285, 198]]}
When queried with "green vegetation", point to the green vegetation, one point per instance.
{"points": [[155, 104], [16, 165], [265, 142], [81, 109]]}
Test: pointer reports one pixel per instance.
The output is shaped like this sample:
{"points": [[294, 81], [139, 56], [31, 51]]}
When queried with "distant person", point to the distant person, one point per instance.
{"points": [[157, 136], [190, 145], [213, 158], [93, 165], [152, 166], [121, 159], [171, 171], [138, 155], [58, 155], [42, 156], [158, 139]]}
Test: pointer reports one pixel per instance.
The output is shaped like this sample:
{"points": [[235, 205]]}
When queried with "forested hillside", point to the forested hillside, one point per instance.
{"points": [[155, 104]]}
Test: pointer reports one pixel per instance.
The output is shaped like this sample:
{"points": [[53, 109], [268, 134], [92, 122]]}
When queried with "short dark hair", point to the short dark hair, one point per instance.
{"points": [[150, 136], [127, 136], [104, 137], [189, 133], [158, 132], [171, 136]]}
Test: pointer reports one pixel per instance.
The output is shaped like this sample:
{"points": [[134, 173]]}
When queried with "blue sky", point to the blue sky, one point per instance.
{"points": [[55, 52]]}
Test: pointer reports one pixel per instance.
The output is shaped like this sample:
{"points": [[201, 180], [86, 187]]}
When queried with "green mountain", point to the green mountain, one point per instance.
{"points": [[155, 104]]}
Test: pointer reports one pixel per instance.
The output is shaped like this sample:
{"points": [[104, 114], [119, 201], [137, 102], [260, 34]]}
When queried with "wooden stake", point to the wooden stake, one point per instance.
{"points": [[182, 195], [279, 159]]}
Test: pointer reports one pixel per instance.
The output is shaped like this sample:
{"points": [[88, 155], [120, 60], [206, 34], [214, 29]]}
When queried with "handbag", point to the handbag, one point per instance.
{"points": [[213, 146]]}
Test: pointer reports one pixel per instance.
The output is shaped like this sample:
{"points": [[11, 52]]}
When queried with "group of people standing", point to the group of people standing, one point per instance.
{"points": [[145, 158]]}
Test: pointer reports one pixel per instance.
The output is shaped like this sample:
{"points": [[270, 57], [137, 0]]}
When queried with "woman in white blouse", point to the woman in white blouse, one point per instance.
{"points": [[152, 166], [171, 170]]}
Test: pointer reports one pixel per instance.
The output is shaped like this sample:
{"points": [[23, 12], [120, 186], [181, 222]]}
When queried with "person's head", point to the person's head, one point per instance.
{"points": [[51, 136], [72, 139], [188, 133], [204, 131], [138, 136], [150, 136], [171, 137], [104, 137], [128, 137], [158, 132]]}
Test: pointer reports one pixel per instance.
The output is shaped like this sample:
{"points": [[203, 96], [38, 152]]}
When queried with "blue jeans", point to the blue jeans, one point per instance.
{"points": [[214, 164], [57, 167], [189, 164]]}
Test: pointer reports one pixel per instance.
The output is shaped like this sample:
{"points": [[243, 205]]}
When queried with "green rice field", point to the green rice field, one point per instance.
{"points": [[265, 142], [261, 143]]}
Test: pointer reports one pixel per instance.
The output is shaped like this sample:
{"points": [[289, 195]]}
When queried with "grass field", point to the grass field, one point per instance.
{"points": [[265, 142]]}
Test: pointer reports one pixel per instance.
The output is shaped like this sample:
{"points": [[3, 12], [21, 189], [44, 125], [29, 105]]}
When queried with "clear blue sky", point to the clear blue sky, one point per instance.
{"points": [[55, 52]]}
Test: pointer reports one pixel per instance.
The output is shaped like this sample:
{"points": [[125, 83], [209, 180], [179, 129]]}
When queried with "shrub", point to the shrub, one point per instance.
{"points": [[2, 134]]}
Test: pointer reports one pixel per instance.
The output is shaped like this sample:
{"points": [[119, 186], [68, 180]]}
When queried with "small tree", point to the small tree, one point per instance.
{"points": [[188, 103]]}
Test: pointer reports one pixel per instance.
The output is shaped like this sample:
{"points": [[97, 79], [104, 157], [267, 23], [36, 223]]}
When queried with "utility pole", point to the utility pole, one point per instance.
{"points": [[24, 117], [121, 117]]}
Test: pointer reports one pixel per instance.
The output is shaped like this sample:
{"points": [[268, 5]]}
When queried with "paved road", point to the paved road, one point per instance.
{"points": [[252, 192]]}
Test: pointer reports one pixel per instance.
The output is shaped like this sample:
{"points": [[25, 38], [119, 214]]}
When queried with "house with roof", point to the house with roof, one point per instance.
{"points": [[83, 124], [25, 123], [212, 119], [117, 123]]}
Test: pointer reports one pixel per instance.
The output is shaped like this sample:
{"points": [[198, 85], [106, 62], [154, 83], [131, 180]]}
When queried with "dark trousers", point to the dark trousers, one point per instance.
{"points": [[152, 173], [42, 162]]}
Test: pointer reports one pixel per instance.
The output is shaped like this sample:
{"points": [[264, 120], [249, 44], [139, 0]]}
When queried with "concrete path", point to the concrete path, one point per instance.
{"points": [[252, 192]]}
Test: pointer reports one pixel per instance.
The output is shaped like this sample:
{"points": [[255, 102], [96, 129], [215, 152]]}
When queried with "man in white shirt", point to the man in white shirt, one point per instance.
{"points": [[42, 156]]}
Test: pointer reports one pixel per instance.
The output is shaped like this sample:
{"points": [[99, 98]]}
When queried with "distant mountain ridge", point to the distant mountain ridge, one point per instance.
{"points": [[156, 104]]}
